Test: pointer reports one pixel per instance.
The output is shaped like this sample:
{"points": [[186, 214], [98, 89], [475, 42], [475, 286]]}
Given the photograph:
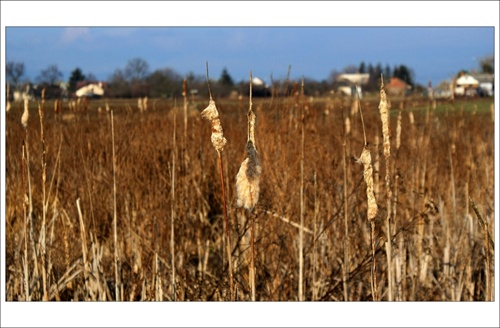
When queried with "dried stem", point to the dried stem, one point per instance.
{"points": [[366, 159], [384, 115], [115, 234], [219, 142], [44, 211], [346, 265], [26, 221], [301, 231], [172, 206]]}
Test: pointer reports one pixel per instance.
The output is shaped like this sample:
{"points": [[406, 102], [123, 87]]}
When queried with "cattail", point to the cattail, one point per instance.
{"points": [[248, 177], [411, 118], [7, 106], [398, 131], [347, 125], [26, 114], [384, 115], [366, 160], [218, 140], [139, 104], [211, 114], [354, 106]]}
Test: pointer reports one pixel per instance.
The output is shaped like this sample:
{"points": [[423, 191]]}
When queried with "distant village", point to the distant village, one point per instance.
{"points": [[348, 84], [465, 85]]}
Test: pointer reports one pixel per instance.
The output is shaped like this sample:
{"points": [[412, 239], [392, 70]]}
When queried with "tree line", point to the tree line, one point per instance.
{"points": [[137, 80]]}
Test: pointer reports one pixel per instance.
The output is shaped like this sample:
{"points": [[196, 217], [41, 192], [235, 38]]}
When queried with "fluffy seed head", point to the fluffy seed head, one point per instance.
{"points": [[384, 115], [398, 131], [24, 118], [247, 179], [366, 160], [347, 125], [211, 114]]}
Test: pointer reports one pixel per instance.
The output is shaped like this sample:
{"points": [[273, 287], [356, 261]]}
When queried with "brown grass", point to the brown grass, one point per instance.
{"points": [[439, 252]]}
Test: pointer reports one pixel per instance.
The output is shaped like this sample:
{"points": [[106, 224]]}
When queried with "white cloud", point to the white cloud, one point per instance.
{"points": [[71, 34]]}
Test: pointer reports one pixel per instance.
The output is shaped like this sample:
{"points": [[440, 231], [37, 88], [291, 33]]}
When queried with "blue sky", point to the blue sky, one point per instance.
{"points": [[433, 53]]}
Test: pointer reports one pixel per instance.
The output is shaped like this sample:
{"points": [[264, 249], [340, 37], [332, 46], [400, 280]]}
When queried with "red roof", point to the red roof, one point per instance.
{"points": [[396, 83]]}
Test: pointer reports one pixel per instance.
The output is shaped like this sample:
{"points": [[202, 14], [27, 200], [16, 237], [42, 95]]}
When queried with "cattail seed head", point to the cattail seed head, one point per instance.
{"points": [[398, 131], [24, 118], [366, 160], [210, 113], [139, 104], [384, 115], [248, 178], [347, 125], [411, 118]]}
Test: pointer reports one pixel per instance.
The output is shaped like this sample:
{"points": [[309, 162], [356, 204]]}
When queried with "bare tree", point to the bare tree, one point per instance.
{"points": [[137, 69], [51, 75], [14, 72]]}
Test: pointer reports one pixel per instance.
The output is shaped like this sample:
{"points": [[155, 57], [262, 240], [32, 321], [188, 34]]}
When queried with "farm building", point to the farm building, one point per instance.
{"points": [[90, 90], [486, 84], [466, 85], [350, 84], [397, 87]]}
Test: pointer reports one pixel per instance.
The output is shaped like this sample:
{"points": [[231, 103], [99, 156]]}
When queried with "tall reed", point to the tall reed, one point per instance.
{"points": [[384, 115], [247, 185], [301, 231], [172, 206], [115, 233], [366, 160], [346, 266], [219, 141], [43, 243]]}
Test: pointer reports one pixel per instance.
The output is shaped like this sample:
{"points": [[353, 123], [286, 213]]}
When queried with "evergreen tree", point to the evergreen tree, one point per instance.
{"points": [[362, 68], [404, 73], [226, 79], [75, 77]]}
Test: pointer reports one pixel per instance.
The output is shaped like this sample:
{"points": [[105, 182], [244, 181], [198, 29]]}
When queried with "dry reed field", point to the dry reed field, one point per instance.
{"points": [[273, 199]]}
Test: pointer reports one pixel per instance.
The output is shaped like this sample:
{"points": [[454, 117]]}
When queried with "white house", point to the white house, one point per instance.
{"points": [[466, 85], [350, 83], [90, 90]]}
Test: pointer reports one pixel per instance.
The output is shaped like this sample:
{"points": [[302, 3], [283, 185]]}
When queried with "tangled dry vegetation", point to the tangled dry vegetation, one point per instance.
{"points": [[129, 206]]}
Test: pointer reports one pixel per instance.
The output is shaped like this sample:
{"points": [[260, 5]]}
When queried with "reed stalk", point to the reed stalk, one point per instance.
{"points": [[43, 243], [219, 141], [247, 185], [172, 206], [366, 160], [301, 231], [346, 266], [115, 233], [26, 284], [384, 115]]}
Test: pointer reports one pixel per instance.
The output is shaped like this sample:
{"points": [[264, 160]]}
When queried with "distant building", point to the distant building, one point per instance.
{"points": [[397, 87], [91, 90], [466, 85], [351, 84], [486, 85]]}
